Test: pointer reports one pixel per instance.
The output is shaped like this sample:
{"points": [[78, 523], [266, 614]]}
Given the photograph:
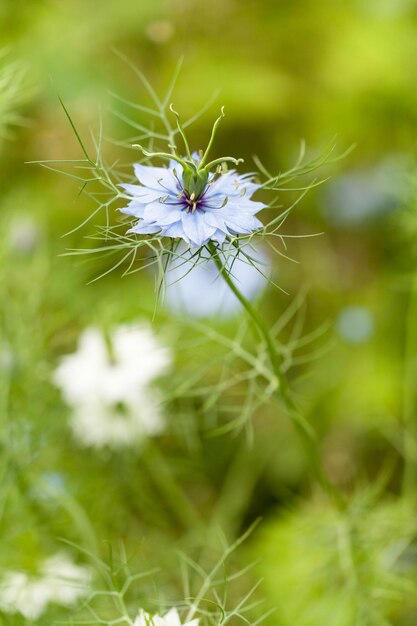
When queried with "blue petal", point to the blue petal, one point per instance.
{"points": [[174, 230], [143, 194], [157, 178], [232, 185], [162, 213], [144, 228], [196, 229], [219, 236], [216, 219], [174, 165], [241, 222], [133, 209], [245, 205]]}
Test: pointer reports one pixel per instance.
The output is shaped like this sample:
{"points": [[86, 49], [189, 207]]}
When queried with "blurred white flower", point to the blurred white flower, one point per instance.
{"points": [[24, 234], [199, 291], [108, 385], [20, 594], [169, 619], [7, 358], [60, 581], [100, 424], [66, 581]]}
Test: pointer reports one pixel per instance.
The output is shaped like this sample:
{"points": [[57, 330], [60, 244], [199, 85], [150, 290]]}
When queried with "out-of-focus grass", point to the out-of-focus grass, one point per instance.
{"points": [[358, 567]]}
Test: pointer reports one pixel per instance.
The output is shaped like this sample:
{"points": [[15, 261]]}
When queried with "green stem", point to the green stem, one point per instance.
{"points": [[164, 479], [410, 396], [238, 486], [302, 427], [210, 143], [221, 160], [181, 132]]}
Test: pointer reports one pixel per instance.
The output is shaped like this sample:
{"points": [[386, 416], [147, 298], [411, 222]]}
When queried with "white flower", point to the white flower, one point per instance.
{"points": [[7, 358], [92, 373], [66, 581], [20, 594], [108, 385], [60, 581], [169, 619], [98, 424], [24, 234]]}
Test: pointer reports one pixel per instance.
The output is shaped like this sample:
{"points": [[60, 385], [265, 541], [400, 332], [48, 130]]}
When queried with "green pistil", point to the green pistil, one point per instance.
{"points": [[213, 133], [194, 177]]}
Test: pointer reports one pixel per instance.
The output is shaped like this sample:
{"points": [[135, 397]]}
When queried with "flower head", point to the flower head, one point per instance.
{"points": [[66, 581], [20, 594], [163, 205], [99, 424], [171, 618], [59, 581], [109, 390], [192, 199]]}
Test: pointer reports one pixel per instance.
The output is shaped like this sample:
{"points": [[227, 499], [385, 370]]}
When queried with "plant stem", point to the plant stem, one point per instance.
{"points": [[165, 481], [238, 487], [302, 427]]}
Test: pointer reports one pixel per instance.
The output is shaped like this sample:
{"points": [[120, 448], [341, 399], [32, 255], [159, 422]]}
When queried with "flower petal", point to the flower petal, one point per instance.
{"points": [[174, 230], [216, 220], [158, 178], [136, 210], [143, 195], [219, 236], [162, 213], [144, 228], [196, 229], [172, 618]]}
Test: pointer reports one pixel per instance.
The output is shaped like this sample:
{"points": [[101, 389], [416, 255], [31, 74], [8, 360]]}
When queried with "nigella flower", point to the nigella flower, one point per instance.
{"points": [[191, 199], [110, 391], [59, 581], [171, 618], [65, 580]]}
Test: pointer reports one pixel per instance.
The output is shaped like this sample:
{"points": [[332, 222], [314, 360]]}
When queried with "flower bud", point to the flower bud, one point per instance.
{"points": [[194, 180]]}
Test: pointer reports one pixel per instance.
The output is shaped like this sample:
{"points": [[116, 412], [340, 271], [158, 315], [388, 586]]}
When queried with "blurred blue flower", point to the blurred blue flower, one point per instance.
{"points": [[355, 324], [164, 205], [197, 289], [363, 195]]}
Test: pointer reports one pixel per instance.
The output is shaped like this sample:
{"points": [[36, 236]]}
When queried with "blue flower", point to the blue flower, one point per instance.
{"points": [[197, 289], [211, 207]]}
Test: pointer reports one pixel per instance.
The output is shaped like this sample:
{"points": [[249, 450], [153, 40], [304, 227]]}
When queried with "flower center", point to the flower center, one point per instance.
{"points": [[192, 203]]}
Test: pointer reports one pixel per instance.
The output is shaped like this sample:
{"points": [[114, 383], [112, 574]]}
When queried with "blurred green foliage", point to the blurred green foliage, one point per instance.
{"points": [[286, 70]]}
